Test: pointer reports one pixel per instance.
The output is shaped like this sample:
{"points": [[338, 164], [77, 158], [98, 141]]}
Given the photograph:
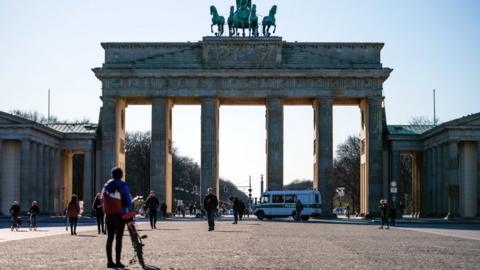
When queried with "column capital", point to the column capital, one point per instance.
{"points": [[375, 99], [326, 100]]}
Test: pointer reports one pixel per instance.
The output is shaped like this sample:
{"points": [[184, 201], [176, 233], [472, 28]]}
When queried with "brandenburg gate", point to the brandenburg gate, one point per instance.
{"points": [[264, 71]]}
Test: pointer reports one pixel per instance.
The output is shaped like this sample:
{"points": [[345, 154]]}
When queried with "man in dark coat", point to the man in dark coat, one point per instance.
{"points": [[210, 203], [151, 204], [241, 208], [384, 213], [235, 208]]}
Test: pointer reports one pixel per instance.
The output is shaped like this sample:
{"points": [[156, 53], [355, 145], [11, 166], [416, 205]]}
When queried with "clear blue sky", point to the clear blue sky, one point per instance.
{"points": [[429, 44]]}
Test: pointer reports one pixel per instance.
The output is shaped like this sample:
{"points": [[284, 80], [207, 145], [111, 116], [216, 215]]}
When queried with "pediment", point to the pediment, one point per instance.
{"points": [[10, 119], [469, 120]]}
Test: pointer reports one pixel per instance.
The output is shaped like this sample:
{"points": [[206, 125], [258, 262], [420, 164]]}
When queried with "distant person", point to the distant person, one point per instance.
{"points": [[393, 214], [116, 202], [241, 209], [298, 210], [14, 212], [401, 209], [384, 213], [235, 208], [152, 204], [73, 209], [33, 212], [210, 204], [182, 210], [163, 208], [348, 211], [99, 214]]}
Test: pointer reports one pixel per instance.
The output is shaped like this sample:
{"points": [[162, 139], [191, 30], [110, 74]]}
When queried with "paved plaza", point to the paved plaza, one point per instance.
{"points": [[252, 244]]}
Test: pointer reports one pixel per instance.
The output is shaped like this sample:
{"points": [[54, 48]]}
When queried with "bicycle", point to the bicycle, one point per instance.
{"points": [[136, 239]]}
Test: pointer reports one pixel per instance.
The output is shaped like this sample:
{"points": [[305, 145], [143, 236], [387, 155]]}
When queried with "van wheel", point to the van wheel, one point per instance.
{"points": [[305, 218], [260, 215]]}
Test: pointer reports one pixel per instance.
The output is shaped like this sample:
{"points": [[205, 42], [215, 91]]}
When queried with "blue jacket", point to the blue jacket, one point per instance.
{"points": [[117, 185]]}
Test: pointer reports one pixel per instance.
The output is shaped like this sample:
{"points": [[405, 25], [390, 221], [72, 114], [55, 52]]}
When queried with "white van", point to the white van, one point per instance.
{"points": [[281, 203]]}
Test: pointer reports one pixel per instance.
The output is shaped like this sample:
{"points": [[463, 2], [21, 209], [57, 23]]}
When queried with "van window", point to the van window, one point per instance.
{"points": [[265, 199], [277, 198], [316, 198], [290, 198]]}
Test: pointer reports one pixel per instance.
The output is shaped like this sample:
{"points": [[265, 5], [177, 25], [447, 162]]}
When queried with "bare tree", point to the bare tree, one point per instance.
{"points": [[42, 119], [346, 169], [422, 121]]}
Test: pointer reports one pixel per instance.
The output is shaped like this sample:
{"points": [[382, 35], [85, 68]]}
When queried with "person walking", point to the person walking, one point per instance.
{"points": [[393, 214], [384, 213], [401, 208], [14, 212], [33, 212], [241, 208], [235, 208], [163, 209], [348, 211], [151, 205], [99, 214], [210, 203], [298, 210], [116, 202], [73, 210]]}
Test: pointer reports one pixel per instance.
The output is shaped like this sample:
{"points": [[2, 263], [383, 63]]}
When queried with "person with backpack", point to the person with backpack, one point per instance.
{"points": [[151, 205], [14, 212], [33, 212], [116, 202], [210, 203], [73, 210], [98, 211]]}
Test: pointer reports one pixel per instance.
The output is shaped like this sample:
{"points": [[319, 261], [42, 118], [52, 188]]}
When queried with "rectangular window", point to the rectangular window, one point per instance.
{"points": [[277, 198], [290, 198], [265, 199]]}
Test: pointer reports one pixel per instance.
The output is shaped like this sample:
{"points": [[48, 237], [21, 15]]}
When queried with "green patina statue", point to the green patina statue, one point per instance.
{"points": [[244, 17], [268, 21], [217, 20]]}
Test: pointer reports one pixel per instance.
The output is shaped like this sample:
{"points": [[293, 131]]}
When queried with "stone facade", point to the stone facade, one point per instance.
{"points": [[445, 171], [36, 163], [220, 71]]}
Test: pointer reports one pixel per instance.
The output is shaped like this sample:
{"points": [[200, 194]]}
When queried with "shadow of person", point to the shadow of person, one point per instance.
{"points": [[150, 267]]}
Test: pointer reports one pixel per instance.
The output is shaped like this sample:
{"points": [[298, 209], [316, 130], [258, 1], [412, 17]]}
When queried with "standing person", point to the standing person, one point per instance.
{"points": [[33, 212], [298, 210], [14, 212], [116, 202], [210, 204], [348, 211], [393, 214], [152, 204], [235, 208], [98, 211], [384, 213], [401, 208], [163, 208], [241, 209], [73, 210]]}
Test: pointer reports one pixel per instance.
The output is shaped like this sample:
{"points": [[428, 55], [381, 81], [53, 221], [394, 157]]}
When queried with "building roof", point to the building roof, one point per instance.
{"points": [[74, 128], [408, 129]]}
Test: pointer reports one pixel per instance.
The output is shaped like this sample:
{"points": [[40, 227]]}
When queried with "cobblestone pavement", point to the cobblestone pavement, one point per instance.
{"points": [[254, 245]]}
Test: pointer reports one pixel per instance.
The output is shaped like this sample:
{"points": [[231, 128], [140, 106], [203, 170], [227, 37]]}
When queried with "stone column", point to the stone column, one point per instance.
{"points": [[417, 179], [468, 179], [87, 182], [274, 124], [113, 135], [161, 153], [1, 174], [371, 154], [423, 184], [32, 196], [453, 185], [434, 181], [67, 174], [25, 173], [48, 180], [40, 176], [444, 183], [209, 147], [57, 191], [395, 177], [323, 149]]}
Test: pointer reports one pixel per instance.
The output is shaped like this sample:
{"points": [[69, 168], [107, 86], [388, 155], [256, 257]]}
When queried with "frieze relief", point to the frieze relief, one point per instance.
{"points": [[243, 83], [241, 56]]}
